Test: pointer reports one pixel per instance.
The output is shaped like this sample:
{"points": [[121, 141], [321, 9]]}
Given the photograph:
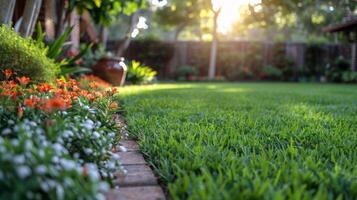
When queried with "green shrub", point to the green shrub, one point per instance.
{"points": [[186, 72], [272, 73], [25, 57], [349, 77], [335, 72], [139, 74]]}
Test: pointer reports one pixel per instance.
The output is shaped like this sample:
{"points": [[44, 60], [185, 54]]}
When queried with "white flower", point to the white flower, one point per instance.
{"points": [[100, 196], [15, 142], [68, 164], [32, 123], [10, 121], [39, 131], [111, 135], [111, 165], [57, 147], [67, 182], [16, 128], [55, 159], [93, 171], [92, 111], [41, 153], [115, 156], [20, 159], [6, 131], [88, 151], [103, 186], [23, 171], [88, 124], [41, 169], [44, 186], [76, 155], [122, 148], [60, 192], [96, 135], [67, 133], [28, 145]]}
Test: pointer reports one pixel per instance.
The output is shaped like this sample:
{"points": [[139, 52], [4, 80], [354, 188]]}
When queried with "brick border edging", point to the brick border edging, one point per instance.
{"points": [[139, 183]]}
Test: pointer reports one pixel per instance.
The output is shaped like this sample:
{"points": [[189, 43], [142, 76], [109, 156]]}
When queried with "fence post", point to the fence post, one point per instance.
{"points": [[32, 9], [6, 11]]}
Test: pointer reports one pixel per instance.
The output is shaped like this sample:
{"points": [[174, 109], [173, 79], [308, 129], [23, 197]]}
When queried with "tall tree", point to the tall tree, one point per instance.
{"points": [[216, 10], [179, 14], [295, 17]]}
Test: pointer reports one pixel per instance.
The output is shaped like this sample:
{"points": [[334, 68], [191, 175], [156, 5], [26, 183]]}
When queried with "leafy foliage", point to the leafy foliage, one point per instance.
{"points": [[139, 74], [25, 56], [297, 20], [103, 11], [340, 71], [62, 53], [186, 72]]}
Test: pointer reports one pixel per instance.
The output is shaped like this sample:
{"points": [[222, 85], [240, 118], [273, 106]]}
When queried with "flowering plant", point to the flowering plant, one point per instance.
{"points": [[56, 140]]}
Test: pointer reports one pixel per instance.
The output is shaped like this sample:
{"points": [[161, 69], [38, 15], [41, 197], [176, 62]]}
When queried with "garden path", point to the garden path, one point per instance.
{"points": [[139, 183]]}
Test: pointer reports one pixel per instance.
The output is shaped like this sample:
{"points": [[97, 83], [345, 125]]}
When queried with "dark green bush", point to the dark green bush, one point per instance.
{"points": [[272, 73], [152, 53], [186, 72], [25, 57], [335, 72]]}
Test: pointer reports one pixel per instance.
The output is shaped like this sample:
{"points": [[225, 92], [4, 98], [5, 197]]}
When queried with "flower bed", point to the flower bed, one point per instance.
{"points": [[56, 139]]}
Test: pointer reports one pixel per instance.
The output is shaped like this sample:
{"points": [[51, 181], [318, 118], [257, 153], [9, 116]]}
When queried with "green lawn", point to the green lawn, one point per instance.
{"points": [[248, 140]]}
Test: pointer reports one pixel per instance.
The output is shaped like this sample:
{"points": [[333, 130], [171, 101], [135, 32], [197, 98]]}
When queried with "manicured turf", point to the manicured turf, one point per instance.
{"points": [[248, 141]]}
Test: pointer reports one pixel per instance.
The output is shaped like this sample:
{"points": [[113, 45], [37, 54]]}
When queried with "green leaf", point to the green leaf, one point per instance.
{"points": [[55, 48], [80, 55], [97, 3], [74, 70]]}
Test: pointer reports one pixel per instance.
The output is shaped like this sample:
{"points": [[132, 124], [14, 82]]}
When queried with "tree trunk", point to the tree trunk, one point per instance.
{"points": [[62, 16], [49, 19], [103, 35], [178, 30], [89, 27], [6, 11], [127, 39], [75, 34], [213, 55], [32, 9]]}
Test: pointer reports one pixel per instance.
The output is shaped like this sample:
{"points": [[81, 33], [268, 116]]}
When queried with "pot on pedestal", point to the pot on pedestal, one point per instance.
{"points": [[112, 70]]}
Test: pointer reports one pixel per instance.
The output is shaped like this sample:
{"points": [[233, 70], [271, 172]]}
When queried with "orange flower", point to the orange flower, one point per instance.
{"points": [[61, 83], [114, 90], [10, 93], [93, 85], [8, 73], [30, 90], [23, 80], [72, 83], [32, 102], [76, 88], [113, 105], [10, 84], [44, 87], [57, 103]]}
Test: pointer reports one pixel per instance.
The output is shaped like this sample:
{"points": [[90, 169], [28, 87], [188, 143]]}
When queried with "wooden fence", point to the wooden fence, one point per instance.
{"points": [[235, 56]]}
